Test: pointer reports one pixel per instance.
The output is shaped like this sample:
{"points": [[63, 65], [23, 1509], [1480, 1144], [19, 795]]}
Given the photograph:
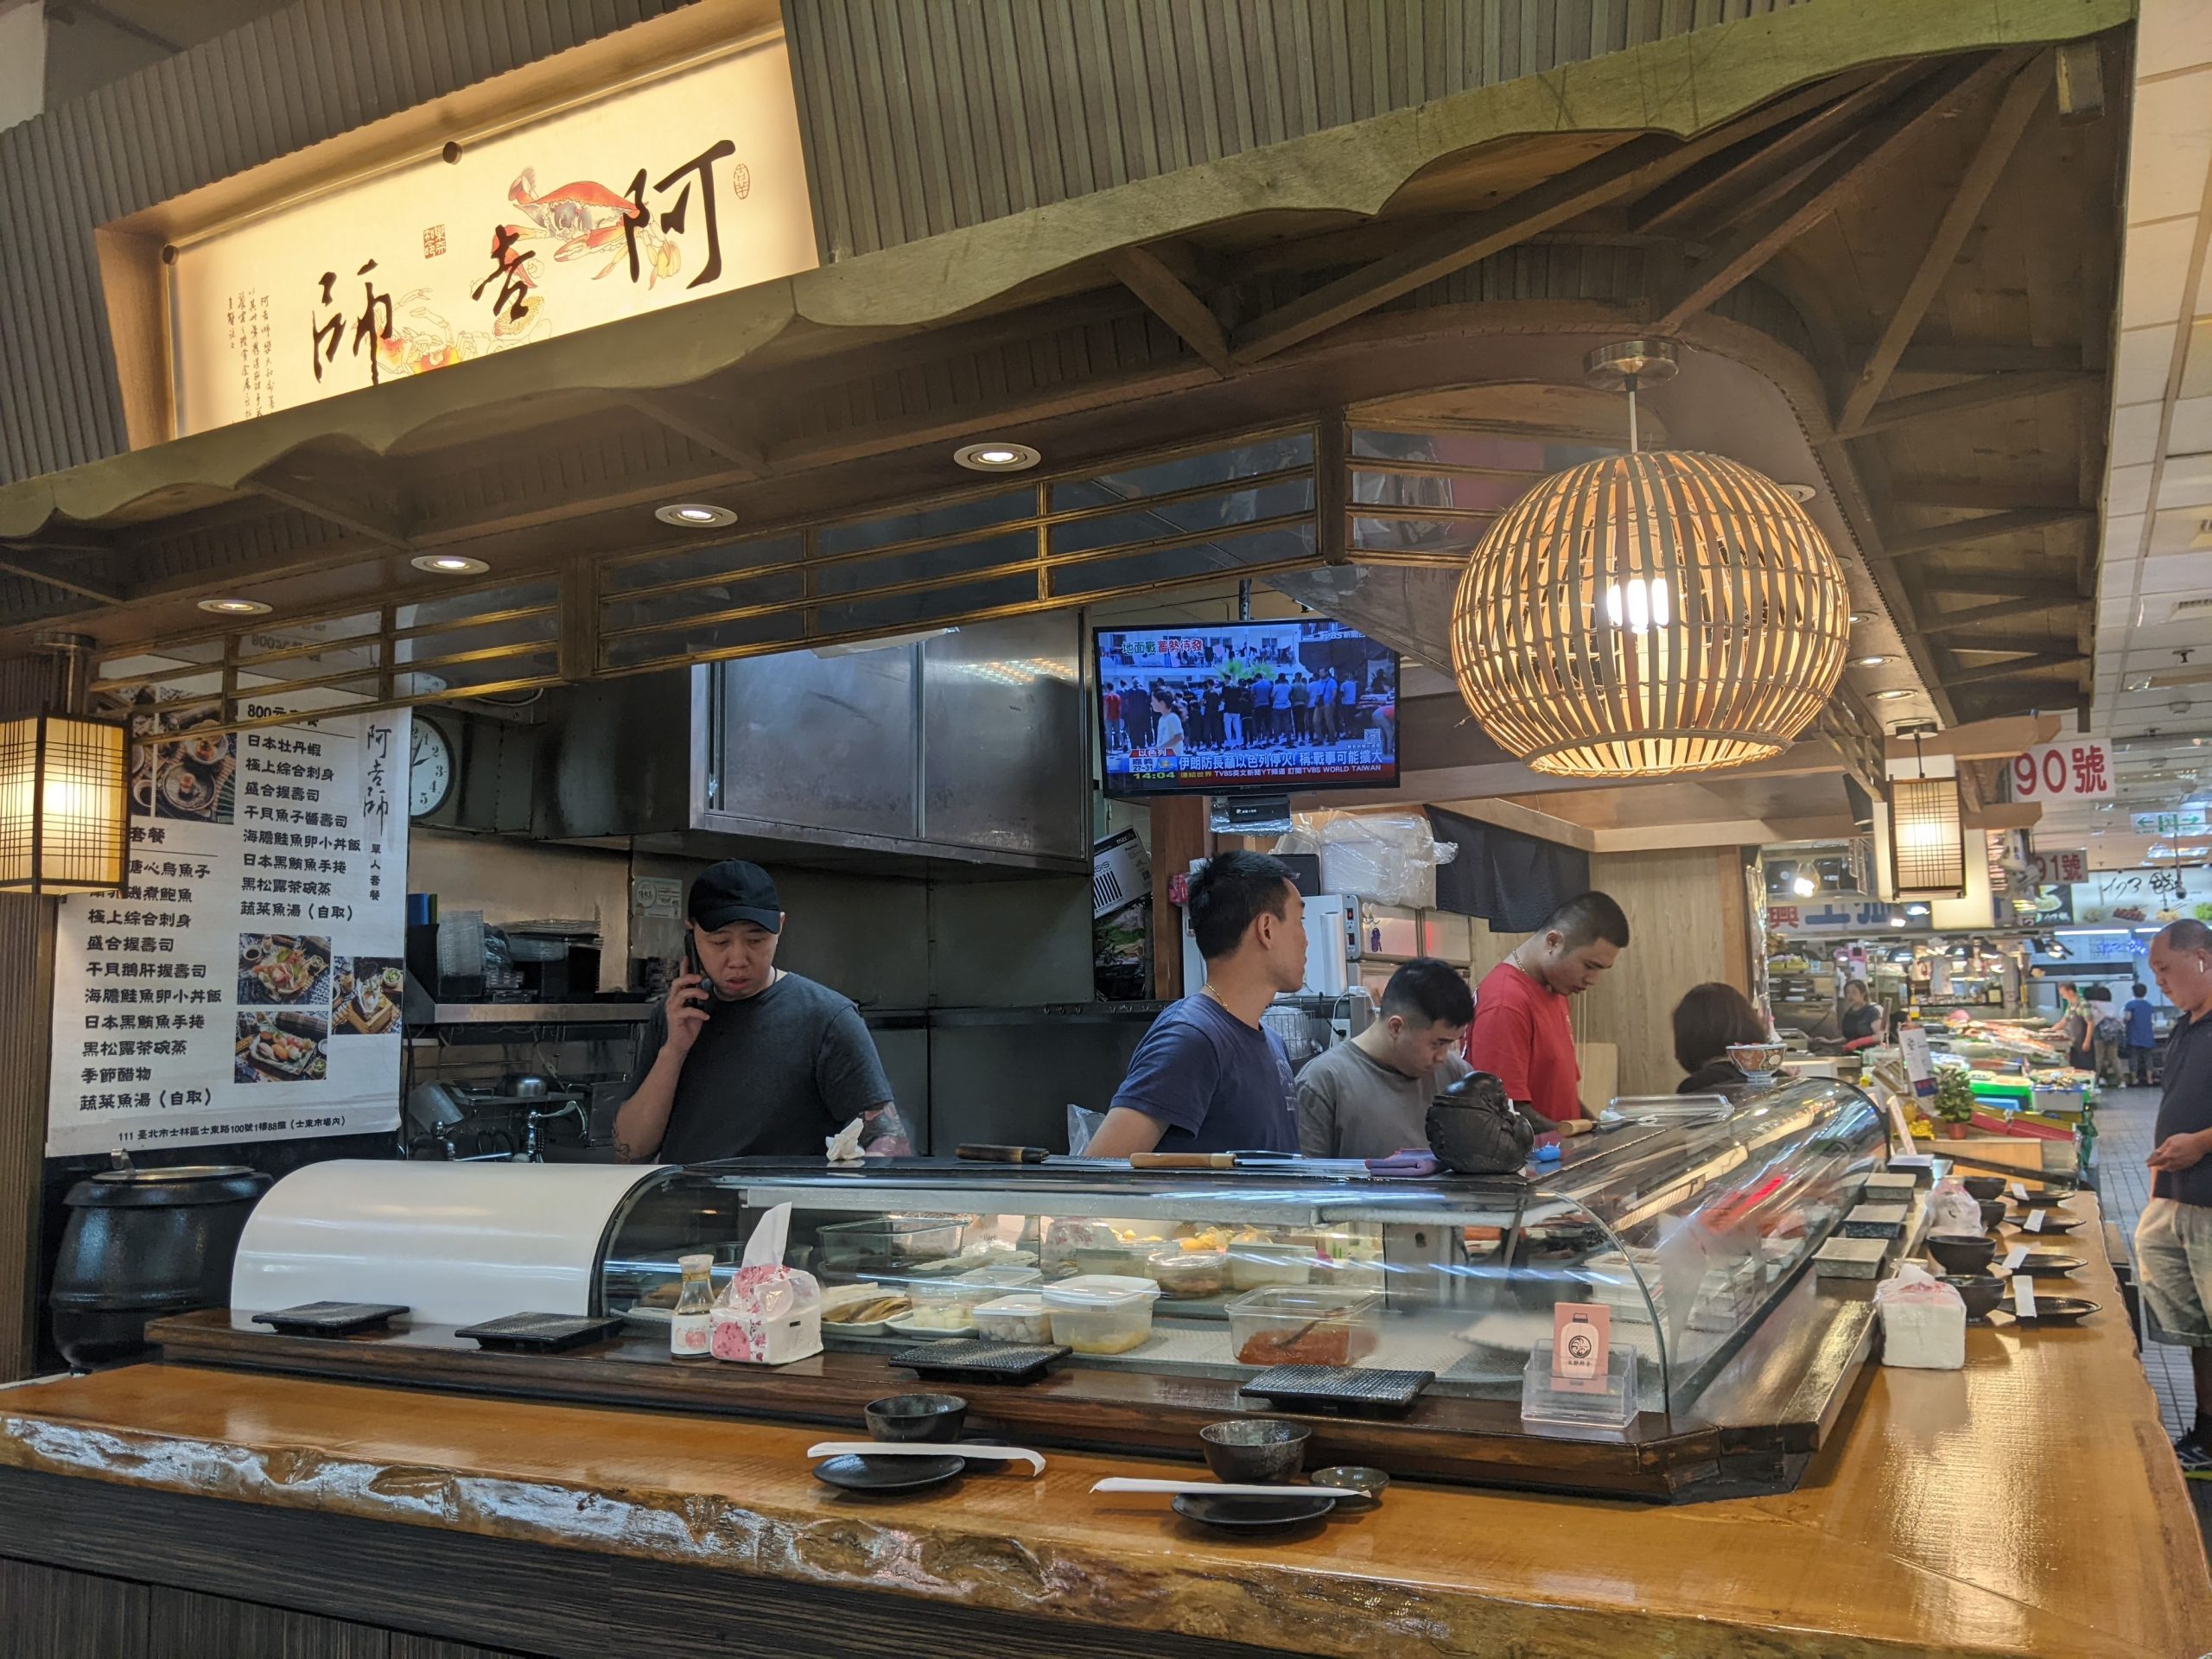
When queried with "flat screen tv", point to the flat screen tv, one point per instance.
{"points": [[1245, 708]]}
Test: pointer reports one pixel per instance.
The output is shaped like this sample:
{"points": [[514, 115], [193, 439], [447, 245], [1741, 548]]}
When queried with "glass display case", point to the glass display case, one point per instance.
{"points": [[1408, 1321], [1688, 1220]]}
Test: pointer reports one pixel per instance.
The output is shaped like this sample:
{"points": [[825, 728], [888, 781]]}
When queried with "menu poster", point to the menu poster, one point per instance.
{"points": [[246, 985]]}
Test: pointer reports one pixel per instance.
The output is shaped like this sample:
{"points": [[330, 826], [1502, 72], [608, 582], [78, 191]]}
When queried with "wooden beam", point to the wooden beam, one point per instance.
{"points": [[1998, 584], [334, 491], [1995, 498], [1178, 835], [1933, 357], [708, 422], [1627, 170], [1750, 165], [1963, 532], [1956, 622], [17, 564], [2003, 815], [1527, 821], [1145, 275], [2006, 670], [1980, 740], [1969, 395], [2013, 643], [1997, 142], [1844, 170]]}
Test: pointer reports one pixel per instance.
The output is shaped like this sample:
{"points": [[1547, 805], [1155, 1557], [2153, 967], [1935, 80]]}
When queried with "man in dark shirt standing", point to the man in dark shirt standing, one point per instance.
{"points": [[1208, 1076], [2173, 1239], [744, 1060]]}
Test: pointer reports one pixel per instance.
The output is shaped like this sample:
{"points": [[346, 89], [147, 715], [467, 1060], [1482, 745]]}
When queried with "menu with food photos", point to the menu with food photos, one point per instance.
{"points": [[246, 984]]}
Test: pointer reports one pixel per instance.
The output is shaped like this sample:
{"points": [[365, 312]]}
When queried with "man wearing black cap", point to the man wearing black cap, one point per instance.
{"points": [[744, 1060]]}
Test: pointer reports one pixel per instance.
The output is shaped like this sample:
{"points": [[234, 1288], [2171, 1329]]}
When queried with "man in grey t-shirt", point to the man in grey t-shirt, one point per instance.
{"points": [[743, 1059], [1368, 1097]]}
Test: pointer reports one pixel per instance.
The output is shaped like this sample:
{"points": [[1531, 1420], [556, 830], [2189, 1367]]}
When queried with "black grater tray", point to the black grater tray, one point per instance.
{"points": [[538, 1334], [970, 1360], [1339, 1387], [329, 1318]]}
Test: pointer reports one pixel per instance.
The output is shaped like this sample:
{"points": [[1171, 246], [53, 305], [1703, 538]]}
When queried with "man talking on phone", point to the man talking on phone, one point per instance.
{"points": [[744, 1060]]}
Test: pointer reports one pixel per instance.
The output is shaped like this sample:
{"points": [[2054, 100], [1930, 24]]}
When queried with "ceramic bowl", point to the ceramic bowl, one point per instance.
{"points": [[1979, 1291], [1254, 1448], [1961, 1252], [1984, 1187], [917, 1417]]}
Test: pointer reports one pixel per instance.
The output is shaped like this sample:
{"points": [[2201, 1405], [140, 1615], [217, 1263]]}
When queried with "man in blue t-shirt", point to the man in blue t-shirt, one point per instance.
{"points": [[1208, 1076], [2140, 1037]]}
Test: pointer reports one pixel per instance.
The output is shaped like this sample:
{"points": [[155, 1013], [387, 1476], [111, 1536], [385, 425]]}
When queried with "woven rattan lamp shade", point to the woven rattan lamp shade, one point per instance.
{"points": [[1657, 612]]}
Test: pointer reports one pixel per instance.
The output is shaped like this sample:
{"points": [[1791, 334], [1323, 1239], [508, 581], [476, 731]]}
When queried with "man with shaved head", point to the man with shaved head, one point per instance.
{"points": [[2173, 1241]]}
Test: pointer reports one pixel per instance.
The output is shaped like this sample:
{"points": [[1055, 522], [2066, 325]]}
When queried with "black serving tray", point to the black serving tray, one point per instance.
{"points": [[539, 1333], [329, 1318], [968, 1359], [1339, 1387]]}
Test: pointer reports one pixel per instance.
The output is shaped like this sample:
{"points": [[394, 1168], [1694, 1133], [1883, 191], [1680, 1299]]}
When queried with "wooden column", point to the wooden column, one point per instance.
{"points": [[26, 1018], [1735, 921], [1178, 835]]}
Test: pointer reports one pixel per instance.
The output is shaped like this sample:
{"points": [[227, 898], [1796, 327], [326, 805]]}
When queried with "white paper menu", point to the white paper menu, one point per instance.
{"points": [[2023, 1296], [246, 985]]}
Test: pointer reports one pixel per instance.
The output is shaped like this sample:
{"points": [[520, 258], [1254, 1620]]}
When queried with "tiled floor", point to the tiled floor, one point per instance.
{"points": [[2124, 1120]]}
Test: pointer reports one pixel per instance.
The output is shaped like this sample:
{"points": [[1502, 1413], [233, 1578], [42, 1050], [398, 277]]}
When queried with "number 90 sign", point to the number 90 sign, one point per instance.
{"points": [[2079, 771]]}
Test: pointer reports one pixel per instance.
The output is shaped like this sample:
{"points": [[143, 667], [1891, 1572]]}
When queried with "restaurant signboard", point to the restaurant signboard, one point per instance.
{"points": [[686, 183], [246, 986]]}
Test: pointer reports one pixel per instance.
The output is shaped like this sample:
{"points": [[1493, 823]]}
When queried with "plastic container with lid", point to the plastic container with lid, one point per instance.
{"points": [[1186, 1274], [1254, 1266], [1293, 1325], [999, 1280], [1101, 1313], [1021, 1317]]}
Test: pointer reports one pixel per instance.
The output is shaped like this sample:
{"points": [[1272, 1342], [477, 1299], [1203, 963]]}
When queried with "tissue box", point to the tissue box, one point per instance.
{"points": [[1924, 1333], [769, 1315]]}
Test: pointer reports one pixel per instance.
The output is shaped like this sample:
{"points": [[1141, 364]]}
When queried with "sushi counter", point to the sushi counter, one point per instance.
{"points": [[2024, 1504]]}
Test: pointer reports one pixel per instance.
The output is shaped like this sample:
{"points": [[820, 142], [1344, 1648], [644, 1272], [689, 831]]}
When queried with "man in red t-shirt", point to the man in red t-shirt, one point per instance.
{"points": [[1521, 1034]]}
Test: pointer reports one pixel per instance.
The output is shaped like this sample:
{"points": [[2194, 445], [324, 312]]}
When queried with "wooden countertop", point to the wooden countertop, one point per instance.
{"points": [[2028, 1504]]}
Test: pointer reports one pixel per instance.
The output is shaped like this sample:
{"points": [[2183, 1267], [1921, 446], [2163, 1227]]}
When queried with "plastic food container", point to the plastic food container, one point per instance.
{"points": [[1101, 1313], [1021, 1317], [885, 1240], [1255, 1266], [949, 1293], [998, 1280], [1293, 1325], [1189, 1273], [1115, 1260]]}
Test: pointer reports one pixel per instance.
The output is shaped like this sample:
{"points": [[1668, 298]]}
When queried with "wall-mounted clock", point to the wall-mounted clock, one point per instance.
{"points": [[430, 768]]}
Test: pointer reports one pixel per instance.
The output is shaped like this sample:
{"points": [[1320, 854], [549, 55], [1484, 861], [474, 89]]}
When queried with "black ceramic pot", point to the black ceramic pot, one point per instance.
{"points": [[144, 1242]]}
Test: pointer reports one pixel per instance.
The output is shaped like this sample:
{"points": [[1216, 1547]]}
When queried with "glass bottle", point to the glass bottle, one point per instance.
{"points": [[691, 1331]]}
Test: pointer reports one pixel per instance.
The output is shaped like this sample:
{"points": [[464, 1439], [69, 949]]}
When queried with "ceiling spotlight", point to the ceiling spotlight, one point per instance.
{"points": [[1916, 910], [1804, 887], [1892, 694], [997, 456], [448, 565], [694, 515], [1896, 921], [1800, 492], [235, 607], [1869, 661], [1858, 617]]}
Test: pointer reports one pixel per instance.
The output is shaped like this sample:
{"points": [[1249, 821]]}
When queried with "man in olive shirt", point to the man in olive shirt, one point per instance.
{"points": [[2173, 1239], [1368, 1097], [745, 1060]]}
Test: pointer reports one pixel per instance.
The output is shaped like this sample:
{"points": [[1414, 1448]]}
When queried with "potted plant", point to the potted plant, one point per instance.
{"points": [[1953, 1101]]}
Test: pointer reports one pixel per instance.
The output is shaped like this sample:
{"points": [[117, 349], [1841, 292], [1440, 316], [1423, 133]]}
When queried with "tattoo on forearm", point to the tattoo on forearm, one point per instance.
{"points": [[882, 1128], [624, 1151]]}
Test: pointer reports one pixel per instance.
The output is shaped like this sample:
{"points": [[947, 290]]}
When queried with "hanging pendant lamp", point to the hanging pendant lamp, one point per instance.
{"points": [[1651, 612]]}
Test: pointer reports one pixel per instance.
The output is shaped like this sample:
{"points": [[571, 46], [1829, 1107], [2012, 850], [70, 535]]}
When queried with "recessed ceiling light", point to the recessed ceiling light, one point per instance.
{"points": [[449, 565], [235, 607], [1896, 921], [1870, 662], [1892, 695], [694, 515], [997, 456], [1800, 492]]}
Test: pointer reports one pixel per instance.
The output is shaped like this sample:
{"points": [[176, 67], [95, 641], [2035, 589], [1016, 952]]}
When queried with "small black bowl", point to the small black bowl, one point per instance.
{"points": [[1961, 1252], [1254, 1448], [1979, 1291], [1984, 1187], [917, 1417], [1993, 1211]]}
